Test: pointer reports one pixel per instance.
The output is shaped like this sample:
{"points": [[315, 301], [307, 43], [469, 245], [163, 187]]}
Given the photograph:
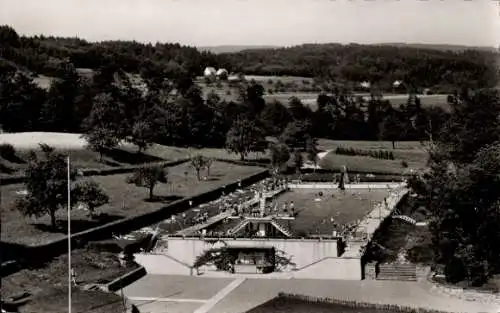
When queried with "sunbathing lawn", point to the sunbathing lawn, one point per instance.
{"points": [[314, 216], [125, 200], [80, 158], [48, 285]]}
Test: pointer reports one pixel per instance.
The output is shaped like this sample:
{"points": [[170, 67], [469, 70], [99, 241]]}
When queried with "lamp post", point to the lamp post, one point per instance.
{"points": [[70, 272]]}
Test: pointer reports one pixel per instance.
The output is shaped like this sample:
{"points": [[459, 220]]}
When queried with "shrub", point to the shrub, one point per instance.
{"points": [[404, 164], [377, 154], [7, 151], [421, 254]]}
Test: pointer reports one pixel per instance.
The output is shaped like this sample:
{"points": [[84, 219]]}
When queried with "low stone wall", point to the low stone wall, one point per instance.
{"points": [[127, 279], [357, 304], [332, 268], [371, 271]]}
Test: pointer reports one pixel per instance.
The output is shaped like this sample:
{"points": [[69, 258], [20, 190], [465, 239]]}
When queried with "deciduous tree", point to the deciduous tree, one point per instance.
{"points": [[198, 162], [103, 124], [46, 185], [149, 176], [244, 137], [91, 194]]}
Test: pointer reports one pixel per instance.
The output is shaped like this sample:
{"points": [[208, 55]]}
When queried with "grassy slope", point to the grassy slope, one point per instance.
{"points": [[48, 284], [125, 200], [411, 152]]}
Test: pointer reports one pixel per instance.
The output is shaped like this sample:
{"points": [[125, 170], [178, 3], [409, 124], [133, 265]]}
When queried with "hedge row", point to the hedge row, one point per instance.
{"points": [[377, 154], [127, 225], [99, 172], [357, 304]]}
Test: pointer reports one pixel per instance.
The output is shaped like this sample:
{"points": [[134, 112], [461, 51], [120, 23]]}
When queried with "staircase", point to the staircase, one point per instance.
{"points": [[397, 271], [238, 227], [279, 224], [406, 219]]}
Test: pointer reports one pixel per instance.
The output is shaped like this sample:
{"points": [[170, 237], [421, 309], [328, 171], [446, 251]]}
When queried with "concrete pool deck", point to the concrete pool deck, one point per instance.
{"points": [[167, 293]]}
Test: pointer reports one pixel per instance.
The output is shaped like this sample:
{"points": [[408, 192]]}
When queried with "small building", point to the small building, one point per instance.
{"points": [[222, 73], [397, 84], [210, 72], [365, 84]]}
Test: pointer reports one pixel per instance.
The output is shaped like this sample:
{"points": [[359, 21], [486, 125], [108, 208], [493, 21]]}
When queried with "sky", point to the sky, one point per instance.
{"points": [[260, 22]]}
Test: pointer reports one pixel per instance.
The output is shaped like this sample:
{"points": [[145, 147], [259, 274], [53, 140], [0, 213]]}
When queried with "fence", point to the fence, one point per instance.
{"points": [[357, 304]]}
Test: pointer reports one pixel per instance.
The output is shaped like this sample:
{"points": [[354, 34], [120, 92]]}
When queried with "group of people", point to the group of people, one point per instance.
{"points": [[242, 203]]}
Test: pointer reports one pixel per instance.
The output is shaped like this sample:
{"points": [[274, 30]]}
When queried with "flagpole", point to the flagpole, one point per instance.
{"points": [[69, 239]]}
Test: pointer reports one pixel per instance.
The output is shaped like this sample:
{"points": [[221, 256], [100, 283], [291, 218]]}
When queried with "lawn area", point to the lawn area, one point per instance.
{"points": [[364, 164], [80, 158], [412, 152], [309, 99], [314, 216], [48, 285], [299, 306], [125, 200]]}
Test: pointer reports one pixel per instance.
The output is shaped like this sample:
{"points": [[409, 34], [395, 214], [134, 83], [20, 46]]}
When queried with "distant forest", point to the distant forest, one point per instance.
{"points": [[380, 65]]}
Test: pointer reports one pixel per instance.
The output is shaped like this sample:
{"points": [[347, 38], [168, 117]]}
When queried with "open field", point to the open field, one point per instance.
{"points": [[67, 144], [48, 284], [314, 217], [412, 152], [327, 144], [309, 99], [125, 200]]}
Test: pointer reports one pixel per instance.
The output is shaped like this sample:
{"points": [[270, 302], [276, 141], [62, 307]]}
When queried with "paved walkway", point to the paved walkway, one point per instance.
{"points": [[168, 293], [254, 292], [219, 296]]}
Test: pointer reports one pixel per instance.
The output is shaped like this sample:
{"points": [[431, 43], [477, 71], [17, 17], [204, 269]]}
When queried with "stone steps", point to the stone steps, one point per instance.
{"points": [[403, 272]]}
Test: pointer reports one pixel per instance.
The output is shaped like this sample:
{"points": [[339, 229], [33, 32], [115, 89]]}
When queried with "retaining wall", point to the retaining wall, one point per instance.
{"points": [[301, 252], [127, 279], [332, 268]]}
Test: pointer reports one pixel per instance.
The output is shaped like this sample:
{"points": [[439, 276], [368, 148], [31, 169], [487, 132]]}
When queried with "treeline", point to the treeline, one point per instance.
{"points": [[43, 55], [380, 65], [174, 112], [330, 64], [461, 190]]}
